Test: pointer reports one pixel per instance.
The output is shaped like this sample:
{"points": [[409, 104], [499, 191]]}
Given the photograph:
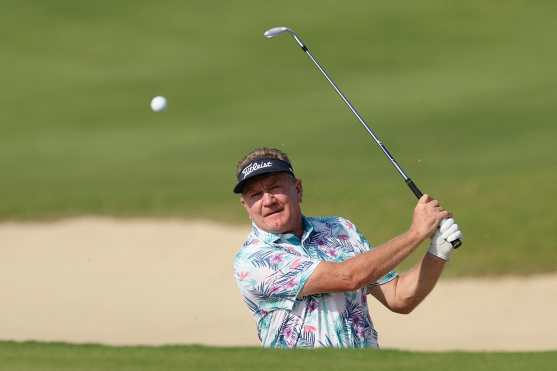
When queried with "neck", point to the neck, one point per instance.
{"points": [[299, 229]]}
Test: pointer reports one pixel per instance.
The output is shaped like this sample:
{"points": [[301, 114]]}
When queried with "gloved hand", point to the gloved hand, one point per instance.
{"points": [[441, 242]]}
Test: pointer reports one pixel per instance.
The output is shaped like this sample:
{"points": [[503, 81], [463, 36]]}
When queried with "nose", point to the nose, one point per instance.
{"points": [[267, 199]]}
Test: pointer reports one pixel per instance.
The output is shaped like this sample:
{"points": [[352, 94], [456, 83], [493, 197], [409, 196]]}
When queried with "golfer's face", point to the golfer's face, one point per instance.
{"points": [[273, 202]]}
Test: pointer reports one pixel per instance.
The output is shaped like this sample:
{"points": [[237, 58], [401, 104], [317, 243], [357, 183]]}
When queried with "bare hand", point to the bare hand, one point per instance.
{"points": [[427, 216]]}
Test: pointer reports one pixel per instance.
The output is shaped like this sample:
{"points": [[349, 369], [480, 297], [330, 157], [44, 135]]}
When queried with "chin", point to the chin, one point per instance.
{"points": [[277, 223]]}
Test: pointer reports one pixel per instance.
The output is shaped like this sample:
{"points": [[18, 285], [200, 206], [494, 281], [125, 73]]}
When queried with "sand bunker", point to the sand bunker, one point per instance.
{"points": [[159, 282]]}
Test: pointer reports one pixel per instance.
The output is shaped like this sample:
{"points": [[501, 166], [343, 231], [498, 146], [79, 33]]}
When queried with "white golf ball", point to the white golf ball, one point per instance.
{"points": [[158, 104]]}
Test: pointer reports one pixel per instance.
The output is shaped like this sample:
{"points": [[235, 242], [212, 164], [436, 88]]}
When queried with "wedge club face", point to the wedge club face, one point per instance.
{"points": [[276, 31]]}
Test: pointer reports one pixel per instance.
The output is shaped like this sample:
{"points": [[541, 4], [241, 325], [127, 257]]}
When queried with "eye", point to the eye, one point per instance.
{"points": [[276, 188], [255, 195]]}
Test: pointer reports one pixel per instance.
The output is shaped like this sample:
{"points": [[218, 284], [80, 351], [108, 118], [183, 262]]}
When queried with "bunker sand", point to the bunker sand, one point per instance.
{"points": [[157, 282]]}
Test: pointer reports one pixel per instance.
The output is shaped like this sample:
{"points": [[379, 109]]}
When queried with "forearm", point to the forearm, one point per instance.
{"points": [[367, 268], [414, 285]]}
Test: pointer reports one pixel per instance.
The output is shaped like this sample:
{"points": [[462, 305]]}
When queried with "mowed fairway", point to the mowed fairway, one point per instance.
{"points": [[55, 357], [464, 95]]}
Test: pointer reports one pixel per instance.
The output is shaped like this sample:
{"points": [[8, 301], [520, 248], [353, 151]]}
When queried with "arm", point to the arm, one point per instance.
{"points": [[360, 270], [404, 293], [366, 268]]}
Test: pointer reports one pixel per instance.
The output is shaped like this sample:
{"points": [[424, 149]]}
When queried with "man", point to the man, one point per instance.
{"points": [[306, 279]]}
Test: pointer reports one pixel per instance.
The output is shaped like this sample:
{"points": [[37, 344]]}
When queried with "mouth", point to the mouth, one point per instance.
{"points": [[272, 213]]}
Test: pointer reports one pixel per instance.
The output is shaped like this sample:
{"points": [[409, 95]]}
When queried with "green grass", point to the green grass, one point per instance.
{"points": [[463, 93], [57, 357]]}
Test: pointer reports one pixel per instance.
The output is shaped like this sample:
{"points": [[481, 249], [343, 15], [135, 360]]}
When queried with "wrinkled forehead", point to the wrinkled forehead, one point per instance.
{"points": [[266, 180]]}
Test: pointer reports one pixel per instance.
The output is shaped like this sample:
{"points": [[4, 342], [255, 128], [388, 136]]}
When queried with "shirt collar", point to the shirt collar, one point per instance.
{"points": [[270, 237]]}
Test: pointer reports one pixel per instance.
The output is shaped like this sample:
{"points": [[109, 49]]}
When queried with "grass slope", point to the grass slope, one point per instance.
{"points": [[463, 93], [44, 356]]}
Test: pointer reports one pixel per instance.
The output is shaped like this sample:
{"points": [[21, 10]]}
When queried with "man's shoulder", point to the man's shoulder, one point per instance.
{"points": [[252, 244], [330, 222]]}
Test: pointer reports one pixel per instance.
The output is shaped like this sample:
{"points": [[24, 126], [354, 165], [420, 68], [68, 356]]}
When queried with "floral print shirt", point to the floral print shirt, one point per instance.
{"points": [[271, 270]]}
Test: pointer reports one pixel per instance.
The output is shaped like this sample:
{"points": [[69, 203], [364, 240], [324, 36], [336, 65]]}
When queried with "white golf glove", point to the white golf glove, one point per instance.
{"points": [[441, 242]]}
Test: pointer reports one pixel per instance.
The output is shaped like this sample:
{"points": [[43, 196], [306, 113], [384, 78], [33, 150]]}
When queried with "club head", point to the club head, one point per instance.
{"points": [[276, 31]]}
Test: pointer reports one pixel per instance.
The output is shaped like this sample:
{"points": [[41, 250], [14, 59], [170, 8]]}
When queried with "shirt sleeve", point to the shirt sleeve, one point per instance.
{"points": [[271, 279], [362, 245]]}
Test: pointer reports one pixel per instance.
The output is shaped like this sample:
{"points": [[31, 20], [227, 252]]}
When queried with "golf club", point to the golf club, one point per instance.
{"points": [[276, 31]]}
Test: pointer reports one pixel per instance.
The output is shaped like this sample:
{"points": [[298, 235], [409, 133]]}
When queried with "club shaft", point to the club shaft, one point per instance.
{"points": [[359, 117], [409, 182]]}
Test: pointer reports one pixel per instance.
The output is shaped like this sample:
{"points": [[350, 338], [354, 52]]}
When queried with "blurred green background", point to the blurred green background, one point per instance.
{"points": [[463, 93]]}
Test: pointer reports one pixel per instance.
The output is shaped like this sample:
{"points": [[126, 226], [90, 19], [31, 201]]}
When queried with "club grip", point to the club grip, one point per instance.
{"points": [[414, 188]]}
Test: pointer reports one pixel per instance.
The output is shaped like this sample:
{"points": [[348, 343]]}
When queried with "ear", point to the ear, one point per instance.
{"points": [[299, 189], [243, 202], [245, 205]]}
